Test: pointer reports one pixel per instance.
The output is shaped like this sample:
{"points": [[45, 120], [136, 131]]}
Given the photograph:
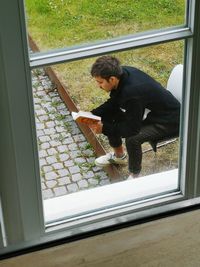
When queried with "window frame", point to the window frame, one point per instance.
{"points": [[24, 204], [64, 55]]}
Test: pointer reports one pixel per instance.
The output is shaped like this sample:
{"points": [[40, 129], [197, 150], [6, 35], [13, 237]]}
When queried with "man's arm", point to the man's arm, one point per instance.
{"points": [[130, 125], [106, 108]]}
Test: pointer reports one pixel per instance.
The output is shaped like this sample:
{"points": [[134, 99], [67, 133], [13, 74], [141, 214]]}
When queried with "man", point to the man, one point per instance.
{"points": [[131, 92]]}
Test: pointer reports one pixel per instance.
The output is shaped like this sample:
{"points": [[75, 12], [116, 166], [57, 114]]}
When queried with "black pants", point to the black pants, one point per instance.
{"points": [[134, 143]]}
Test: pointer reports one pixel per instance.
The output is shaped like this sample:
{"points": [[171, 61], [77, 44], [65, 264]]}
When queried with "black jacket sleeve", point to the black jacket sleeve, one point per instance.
{"points": [[133, 115], [109, 107]]}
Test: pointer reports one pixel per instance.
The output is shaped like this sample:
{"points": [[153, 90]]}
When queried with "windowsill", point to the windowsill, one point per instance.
{"points": [[90, 200]]}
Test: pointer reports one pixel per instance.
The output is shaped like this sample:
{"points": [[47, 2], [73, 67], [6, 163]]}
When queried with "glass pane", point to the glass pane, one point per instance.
{"points": [[67, 153], [63, 23]]}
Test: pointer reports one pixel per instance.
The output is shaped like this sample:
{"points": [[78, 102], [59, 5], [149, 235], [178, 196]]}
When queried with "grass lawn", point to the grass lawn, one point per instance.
{"points": [[60, 23]]}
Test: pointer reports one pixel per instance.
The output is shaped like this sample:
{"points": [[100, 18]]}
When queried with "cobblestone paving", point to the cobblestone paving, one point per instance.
{"points": [[66, 158]]}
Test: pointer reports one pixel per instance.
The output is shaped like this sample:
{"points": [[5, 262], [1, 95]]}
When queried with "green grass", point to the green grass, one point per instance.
{"points": [[58, 23]]}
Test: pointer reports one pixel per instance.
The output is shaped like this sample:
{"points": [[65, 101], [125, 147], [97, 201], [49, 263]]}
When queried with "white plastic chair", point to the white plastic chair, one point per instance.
{"points": [[174, 85], [175, 81]]}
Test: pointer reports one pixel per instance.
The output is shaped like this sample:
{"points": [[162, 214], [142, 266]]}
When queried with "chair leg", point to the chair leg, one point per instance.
{"points": [[153, 145]]}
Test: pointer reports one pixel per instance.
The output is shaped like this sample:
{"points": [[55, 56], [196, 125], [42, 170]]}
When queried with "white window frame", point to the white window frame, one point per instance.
{"points": [[22, 219]]}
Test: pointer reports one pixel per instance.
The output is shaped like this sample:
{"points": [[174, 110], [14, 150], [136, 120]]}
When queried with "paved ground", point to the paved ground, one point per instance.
{"points": [[66, 158]]}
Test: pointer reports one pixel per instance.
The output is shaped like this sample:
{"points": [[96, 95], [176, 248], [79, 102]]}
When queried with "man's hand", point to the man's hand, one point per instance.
{"points": [[96, 127]]}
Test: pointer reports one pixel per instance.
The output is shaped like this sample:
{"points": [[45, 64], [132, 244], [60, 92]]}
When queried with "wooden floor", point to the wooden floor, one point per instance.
{"points": [[169, 242]]}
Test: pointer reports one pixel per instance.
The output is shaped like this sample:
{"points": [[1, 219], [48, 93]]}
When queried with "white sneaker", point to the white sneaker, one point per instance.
{"points": [[133, 176], [130, 177], [110, 158]]}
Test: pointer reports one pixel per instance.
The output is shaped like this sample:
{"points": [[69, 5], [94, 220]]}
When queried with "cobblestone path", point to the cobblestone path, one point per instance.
{"points": [[66, 158]]}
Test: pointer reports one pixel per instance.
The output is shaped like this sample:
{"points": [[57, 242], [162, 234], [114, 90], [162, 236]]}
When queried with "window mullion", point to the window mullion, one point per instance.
{"points": [[195, 84], [19, 184], [190, 157], [120, 44]]}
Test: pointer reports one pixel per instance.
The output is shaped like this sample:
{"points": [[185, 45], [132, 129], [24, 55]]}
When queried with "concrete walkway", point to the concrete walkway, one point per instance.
{"points": [[66, 158]]}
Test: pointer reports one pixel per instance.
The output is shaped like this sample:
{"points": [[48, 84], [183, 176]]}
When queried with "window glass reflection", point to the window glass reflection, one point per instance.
{"points": [[67, 156]]}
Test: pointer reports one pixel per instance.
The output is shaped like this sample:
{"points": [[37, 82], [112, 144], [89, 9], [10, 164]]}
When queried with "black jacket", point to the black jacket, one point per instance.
{"points": [[135, 92]]}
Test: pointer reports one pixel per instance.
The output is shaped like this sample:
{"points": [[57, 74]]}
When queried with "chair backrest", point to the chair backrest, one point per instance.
{"points": [[175, 81]]}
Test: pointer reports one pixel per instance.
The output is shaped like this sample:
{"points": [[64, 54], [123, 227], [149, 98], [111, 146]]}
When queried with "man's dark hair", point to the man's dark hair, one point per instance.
{"points": [[105, 67]]}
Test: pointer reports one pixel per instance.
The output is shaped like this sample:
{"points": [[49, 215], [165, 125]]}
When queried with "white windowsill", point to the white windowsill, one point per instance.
{"points": [[109, 195]]}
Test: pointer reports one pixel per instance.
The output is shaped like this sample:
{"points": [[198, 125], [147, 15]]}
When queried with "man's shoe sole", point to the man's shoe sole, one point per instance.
{"points": [[105, 165], [101, 165]]}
